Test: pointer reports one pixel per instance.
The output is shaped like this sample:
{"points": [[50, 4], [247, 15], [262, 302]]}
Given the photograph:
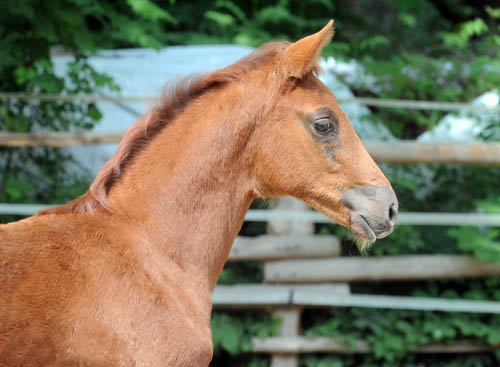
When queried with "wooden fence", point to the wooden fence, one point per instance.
{"points": [[298, 274], [304, 271]]}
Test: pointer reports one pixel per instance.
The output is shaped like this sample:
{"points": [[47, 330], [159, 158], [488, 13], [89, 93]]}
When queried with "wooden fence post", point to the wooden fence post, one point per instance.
{"points": [[290, 326], [290, 226], [291, 316]]}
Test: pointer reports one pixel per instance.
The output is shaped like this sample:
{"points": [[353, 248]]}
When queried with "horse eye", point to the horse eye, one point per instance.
{"points": [[323, 126]]}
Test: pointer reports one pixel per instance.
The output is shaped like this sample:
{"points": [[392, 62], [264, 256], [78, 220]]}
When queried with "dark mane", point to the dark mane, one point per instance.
{"points": [[174, 101]]}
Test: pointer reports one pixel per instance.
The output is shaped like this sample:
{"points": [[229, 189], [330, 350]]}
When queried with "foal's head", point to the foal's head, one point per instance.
{"points": [[307, 148]]}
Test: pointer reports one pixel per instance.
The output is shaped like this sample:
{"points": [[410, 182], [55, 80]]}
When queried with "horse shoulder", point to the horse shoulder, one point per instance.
{"points": [[42, 277], [74, 290]]}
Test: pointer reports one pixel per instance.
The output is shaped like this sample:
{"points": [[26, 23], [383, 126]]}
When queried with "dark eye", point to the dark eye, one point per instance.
{"points": [[324, 126]]}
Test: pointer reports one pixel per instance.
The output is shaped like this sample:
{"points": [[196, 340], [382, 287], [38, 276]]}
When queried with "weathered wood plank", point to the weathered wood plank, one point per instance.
{"points": [[336, 295], [310, 298], [290, 324], [269, 247], [289, 226], [429, 219], [291, 316], [290, 327], [352, 269], [441, 153], [46, 97], [59, 139], [284, 360], [22, 209], [263, 295], [300, 344], [420, 105]]}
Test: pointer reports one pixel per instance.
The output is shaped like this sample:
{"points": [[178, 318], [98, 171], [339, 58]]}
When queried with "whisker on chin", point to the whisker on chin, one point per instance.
{"points": [[363, 245]]}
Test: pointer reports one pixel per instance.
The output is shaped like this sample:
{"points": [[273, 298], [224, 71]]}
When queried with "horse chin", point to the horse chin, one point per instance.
{"points": [[362, 230], [364, 237]]}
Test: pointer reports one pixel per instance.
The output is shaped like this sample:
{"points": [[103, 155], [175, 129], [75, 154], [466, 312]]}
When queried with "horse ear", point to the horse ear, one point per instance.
{"points": [[301, 57]]}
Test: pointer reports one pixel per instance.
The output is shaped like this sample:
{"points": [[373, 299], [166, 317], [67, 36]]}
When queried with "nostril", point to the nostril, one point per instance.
{"points": [[392, 213]]}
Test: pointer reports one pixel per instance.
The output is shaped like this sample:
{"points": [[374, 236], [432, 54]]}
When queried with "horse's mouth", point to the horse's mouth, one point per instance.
{"points": [[370, 230], [361, 228], [364, 222]]}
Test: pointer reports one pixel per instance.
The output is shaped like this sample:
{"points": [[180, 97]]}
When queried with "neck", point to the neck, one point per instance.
{"points": [[186, 196]]}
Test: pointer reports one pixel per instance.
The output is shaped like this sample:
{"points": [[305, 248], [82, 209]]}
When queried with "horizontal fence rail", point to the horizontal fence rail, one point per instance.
{"points": [[416, 218], [59, 139], [400, 268], [22, 209], [420, 105], [76, 98], [479, 153], [376, 102], [337, 295], [270, 247], [464, 153], [260, 215], [402, 303], [300, 344], [262, 295]]}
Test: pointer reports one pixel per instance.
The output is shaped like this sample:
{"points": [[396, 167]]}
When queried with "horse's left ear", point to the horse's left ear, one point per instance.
{"points": [[301, 57]]}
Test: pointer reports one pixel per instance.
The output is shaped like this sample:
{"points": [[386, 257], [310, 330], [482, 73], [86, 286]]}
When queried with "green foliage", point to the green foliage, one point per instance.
{"points": [[405, 239], [474, 289], [455, 360], [241, 273], [483, 243], [29, 29], [245, 22], [392, 333], [490, 206], [466, 31], [46, 175], [233, 332], [150, 11], [416, 76], [325, 361]]}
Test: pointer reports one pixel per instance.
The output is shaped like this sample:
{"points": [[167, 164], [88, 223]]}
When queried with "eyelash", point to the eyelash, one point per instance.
{"points": [[324, 126]]}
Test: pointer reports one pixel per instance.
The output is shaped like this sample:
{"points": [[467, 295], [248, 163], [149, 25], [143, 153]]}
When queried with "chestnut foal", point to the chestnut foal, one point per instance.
{"points": [[123, 275]]}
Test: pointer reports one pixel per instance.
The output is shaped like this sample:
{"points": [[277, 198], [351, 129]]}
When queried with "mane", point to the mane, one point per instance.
{"points": [[174, 100]]}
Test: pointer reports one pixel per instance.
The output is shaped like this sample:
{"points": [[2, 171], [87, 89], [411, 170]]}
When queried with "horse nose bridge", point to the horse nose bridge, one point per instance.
{"points": [[364, 170], [360, 195]]}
